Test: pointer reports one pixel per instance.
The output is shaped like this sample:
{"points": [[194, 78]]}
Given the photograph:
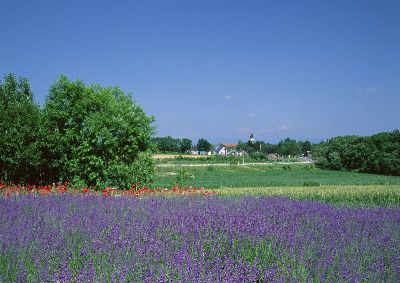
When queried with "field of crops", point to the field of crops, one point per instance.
{"points": [[75, 238], [270, 176], [256, 224]]}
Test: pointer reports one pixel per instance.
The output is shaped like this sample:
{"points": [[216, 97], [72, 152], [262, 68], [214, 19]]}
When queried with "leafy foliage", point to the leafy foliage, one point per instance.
{"points": [[19, 146], [90, 135], [379, 153], [181, 178], [203, 145], [185, 144], [96, 134], [170, 144], [289, 147], [285, 147]]}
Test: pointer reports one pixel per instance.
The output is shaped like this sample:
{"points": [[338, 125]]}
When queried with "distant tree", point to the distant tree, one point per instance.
{"points": [[19, 126], [289, 147], [168, 144], [246, 146], [257, 145], [379, 153], [306, 147], [270, 148], [185, 145], [203, 145]]}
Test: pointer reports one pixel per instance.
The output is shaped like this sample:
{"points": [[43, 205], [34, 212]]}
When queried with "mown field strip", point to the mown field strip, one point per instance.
{"points": [[230, 164], [171, 156]]}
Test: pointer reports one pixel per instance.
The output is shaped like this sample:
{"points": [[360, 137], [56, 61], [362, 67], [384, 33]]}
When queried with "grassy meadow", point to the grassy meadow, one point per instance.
{"points": [[293, 181], [270, 176]]}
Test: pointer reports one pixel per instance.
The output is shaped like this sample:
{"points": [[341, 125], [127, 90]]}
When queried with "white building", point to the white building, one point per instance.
{"points": [[225, 148]]}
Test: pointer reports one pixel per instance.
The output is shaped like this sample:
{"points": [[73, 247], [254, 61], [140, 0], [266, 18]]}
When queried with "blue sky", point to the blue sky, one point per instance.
{"points": [[221, 69]]}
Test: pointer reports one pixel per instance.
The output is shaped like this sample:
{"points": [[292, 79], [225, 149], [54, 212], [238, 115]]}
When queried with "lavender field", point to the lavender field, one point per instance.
{"points": [[69, 238]]}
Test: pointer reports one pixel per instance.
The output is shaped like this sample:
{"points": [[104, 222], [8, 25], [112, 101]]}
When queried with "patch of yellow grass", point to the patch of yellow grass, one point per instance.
{"points": [[318, 190], [381, 195]]}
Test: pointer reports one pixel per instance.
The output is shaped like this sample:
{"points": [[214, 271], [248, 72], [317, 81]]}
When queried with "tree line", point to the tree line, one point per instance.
{"points": [[379, 153], [169, 144], [287, 147], [87, 134]]}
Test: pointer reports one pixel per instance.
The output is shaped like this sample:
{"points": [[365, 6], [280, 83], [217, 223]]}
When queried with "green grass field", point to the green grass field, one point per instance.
{"points": [[270, 176], [293, 181]]}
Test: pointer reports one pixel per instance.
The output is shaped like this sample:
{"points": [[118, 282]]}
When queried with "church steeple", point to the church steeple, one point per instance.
{"points": [[251, 139]]}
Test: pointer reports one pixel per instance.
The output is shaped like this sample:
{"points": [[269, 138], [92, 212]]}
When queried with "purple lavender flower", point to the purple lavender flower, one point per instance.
{"points": [[251, 239]]}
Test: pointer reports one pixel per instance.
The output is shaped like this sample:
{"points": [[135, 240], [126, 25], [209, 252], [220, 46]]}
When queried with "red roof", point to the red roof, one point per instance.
{"points": [[230, 144]]}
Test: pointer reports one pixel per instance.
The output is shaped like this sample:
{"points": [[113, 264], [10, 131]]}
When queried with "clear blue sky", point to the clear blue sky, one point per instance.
{"points": [[221, 69]]}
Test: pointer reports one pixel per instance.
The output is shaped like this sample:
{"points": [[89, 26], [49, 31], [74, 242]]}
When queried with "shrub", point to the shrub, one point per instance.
{"points": [[19, 126], [180, 179], [335, 161], [95, 135]]}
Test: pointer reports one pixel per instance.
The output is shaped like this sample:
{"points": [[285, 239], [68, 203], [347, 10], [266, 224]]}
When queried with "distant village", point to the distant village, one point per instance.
{"points": [[253, 148], [223, 149], [230, 149]]}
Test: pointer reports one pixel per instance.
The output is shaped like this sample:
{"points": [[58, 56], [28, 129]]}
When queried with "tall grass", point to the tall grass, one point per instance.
{"points": [[372, 195]]}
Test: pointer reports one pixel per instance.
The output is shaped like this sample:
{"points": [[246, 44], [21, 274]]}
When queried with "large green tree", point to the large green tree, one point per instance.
{"points": [[19, 126], [95, 135]]}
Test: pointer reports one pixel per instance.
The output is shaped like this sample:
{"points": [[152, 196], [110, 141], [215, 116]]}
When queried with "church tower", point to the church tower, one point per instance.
{"points": [[251, 139]]}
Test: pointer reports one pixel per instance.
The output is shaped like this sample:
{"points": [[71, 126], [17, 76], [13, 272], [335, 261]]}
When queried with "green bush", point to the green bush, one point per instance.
{"points": [[181, 178], [90, 135], [97, 135], [20, 159]]}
